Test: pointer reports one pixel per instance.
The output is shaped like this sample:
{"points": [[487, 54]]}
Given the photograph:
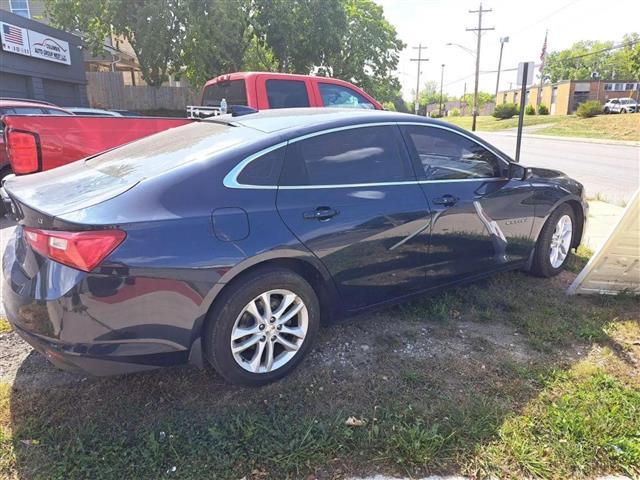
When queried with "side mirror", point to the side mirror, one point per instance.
{"points": [[517, 172]]}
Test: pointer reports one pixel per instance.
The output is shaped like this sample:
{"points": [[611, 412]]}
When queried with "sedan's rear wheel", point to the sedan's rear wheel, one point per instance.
{"points": [[262, 326], [554, 243]]}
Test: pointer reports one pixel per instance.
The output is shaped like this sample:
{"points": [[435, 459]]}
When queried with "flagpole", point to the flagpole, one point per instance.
{"points": [[543, 57]]}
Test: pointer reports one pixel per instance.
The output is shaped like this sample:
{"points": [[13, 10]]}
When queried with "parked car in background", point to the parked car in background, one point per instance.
{"points": [[94, 112], [231, 239], [127, 113], [620, 105], [266, 90]]}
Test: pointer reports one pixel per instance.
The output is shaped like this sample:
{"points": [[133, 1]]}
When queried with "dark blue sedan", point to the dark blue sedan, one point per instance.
{"points": [[232, 239]]}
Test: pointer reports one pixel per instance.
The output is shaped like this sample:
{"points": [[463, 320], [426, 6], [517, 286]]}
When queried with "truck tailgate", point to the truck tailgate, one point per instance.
{"points": [[36, 143]]}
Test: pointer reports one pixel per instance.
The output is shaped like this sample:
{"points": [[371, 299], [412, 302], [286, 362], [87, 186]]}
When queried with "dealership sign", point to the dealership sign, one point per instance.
{"points": [[34, 44]]}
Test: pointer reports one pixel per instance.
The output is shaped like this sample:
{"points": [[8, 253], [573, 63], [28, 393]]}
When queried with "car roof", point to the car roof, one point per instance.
{"points": [[94, 110], [292, 120], [5, 103]]}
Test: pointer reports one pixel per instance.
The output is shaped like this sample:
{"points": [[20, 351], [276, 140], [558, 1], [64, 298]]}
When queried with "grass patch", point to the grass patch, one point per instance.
{"points": [[487, 123], [585, 422], [445, 409], [613, 127], [5, 326]]}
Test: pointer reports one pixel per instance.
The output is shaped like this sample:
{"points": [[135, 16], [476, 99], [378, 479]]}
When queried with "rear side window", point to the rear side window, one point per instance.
{"points": [[446, 155], [342, 97], [264, 170], [287, 93], [354, 156], [233, 91]]}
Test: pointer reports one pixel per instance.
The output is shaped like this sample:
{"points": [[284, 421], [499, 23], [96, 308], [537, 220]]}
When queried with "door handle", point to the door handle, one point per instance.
{"points": [[446, 200], [320, 213]]}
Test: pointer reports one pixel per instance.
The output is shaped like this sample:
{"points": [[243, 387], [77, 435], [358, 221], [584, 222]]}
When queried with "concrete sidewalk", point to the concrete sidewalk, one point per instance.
{"points": [[603, 217]]}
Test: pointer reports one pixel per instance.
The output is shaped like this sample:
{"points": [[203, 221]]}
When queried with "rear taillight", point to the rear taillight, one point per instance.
{"points": [[81, 250], [22, 148]]}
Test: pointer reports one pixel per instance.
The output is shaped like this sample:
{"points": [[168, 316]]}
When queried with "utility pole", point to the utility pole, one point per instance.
{"points": [[441, 80], [478, 31], [503, 40], [419, 60], [463, 99]]}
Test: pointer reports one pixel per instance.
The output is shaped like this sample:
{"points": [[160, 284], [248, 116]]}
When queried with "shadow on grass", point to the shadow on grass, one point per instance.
{"points": [[455, 369]]}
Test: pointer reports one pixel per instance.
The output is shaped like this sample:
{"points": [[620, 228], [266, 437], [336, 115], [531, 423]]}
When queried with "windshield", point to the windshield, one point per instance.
{"points": [[233, 91], [169, 149]]}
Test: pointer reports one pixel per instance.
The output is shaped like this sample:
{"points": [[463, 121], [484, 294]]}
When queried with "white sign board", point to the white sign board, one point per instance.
{"points": [[615, 267], [530, 70], [34, 44], [14, 39], [49, 48]]}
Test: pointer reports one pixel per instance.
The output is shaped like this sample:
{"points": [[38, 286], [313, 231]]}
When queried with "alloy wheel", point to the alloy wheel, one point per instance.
{"points": [[269, 331], [560, 241]]}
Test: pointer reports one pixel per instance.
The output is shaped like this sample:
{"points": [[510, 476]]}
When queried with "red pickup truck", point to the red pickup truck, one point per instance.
{"points": [[41, 142], [262, 90]]}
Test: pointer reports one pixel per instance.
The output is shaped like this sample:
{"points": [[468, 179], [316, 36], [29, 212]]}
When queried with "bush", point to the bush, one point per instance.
{"points": [[543, 110], [454, 112], [435, 114], [530, 110], [390, 106], [589, 109], [505, 110]]}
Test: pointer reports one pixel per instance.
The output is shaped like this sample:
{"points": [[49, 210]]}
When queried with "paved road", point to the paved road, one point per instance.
{"points": [[612, 171]]}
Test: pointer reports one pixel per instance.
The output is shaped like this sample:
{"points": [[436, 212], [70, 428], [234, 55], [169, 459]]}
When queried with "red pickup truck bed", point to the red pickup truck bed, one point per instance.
{"points": [[41, 142]]}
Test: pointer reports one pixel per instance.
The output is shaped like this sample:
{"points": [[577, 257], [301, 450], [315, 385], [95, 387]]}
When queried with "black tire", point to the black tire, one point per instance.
{"points": [[222, 318], [541, 265], [606, 110], [624, 110]]}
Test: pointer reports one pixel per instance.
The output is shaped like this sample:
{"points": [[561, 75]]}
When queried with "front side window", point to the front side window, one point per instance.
{"points": [[342, 97], [354, 156], [287, 93], [445, 155]]}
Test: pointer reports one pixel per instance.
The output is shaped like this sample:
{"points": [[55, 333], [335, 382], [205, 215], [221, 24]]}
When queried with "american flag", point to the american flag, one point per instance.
{"points": [[544, 52], [12, 34]]}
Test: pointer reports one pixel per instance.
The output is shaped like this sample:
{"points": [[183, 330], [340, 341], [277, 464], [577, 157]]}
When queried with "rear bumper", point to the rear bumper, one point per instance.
{"points": [[88, 358], [71, 318]]}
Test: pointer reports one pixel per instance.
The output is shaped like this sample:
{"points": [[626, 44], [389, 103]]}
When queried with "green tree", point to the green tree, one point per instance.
{"points": [[585, 57], [215, 38], [299, 33], [431, 94], [152, 27], [483, 99], [365, 50]]}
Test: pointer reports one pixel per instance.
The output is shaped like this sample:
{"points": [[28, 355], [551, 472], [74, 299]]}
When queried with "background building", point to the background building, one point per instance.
{"points": [[563, 98], [40, 62]]}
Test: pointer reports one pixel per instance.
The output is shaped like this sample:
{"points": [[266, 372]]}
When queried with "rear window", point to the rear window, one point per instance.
{"points": [[287, 94], [234, 92], [169, 149]]}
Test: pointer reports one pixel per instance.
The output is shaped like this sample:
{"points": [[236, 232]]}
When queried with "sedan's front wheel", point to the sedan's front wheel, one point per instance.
{"points": [[554, 242], [262, 327]]}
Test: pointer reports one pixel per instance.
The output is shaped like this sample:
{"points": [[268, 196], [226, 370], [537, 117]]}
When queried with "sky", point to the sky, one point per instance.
{"points": [[435, 23]]}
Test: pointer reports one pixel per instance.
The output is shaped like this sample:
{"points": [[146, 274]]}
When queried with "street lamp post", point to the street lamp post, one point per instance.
{"points": [[441, 81], [503, 40]]}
